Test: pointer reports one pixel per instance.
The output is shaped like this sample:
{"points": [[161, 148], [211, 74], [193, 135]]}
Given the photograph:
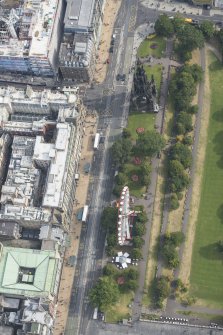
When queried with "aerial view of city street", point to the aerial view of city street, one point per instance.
{"points": [[111, 167]]}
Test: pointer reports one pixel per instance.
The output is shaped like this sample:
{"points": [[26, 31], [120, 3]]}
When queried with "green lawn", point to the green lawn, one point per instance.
{"points": [[136, 120], [207, 262], [135, 187], [156, 71], [145, 47], [120, 310]]}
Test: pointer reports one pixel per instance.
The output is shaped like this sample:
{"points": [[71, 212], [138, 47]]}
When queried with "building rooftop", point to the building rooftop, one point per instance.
{"points": [[79, 15], [46, 97], [28, 272], [19, 187], [9, 229], [77, 53], [54, 190]]}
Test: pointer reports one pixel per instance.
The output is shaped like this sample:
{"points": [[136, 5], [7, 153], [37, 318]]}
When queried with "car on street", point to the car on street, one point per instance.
{"points": [[118, 77], [111, 49]]}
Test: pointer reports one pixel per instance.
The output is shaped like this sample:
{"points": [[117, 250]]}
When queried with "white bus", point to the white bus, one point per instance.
{"points": [[95, 315], [85, 213], [96, 141]]}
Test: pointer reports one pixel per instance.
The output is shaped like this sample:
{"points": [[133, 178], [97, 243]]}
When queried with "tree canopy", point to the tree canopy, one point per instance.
{"points": [[174, 202], [121, 151], [181, 153], [178, 178], [207, 29], [109, 219], [137, 242], [161, 290], [182, 88], [189, 38], [164, 26], [105, 293], [183, 123], [149, 143], [136, 253]]}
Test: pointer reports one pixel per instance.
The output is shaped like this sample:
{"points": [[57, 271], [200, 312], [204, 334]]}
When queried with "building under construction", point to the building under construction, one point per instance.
{"points": [[30, 36]]}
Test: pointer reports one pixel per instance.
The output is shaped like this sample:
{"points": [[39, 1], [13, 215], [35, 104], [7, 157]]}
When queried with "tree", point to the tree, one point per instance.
{"points": [[117, 190], [187, 140], [112, 240], [145, 170], [104, 294], [181, 153], [139, 229], [177, 22], [178, 178], [174, 203], [164, 26], [149, 143], [142, 217], [220, 246], [137, 242], [136, 253], [109, 250], [195, 70], [193, 109], [121, 179], [121, 151], [131, 285], [175, 238], [161, 290], [109, 270], [183, 123], [189, 38], [109, 218], [207, 29], [126, 133], [132, 274], [182, 88], [170, 255]]}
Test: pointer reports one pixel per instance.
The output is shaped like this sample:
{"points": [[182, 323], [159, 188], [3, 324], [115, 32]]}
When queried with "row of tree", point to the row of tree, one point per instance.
{"points": [[182, 89], [188, 37]]}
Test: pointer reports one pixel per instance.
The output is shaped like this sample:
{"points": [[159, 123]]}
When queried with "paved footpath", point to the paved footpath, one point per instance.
{"points": [[67, 275]]}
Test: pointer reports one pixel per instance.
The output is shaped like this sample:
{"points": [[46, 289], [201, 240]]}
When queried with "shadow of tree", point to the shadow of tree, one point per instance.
{"points": [[218, 116], [211, 252], [220, 212], [215, 66], [218, 147]]}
